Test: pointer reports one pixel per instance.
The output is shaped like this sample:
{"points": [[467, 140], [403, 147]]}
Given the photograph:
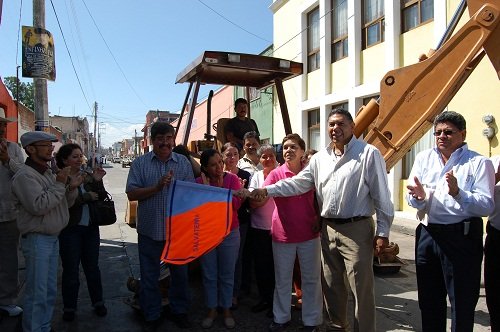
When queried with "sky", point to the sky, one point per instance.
{"points": [[125, 55]]}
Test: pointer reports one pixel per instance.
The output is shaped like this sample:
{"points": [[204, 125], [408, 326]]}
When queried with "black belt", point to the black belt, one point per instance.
{"points": [[345, 220], [474, 222]]}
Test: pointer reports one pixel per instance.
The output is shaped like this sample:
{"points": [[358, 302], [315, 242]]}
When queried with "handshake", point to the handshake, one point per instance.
{"points": [[256, 194]]}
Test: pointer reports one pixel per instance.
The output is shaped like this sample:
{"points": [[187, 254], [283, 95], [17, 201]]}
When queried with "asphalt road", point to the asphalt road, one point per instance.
{"points": [[396, 297]]}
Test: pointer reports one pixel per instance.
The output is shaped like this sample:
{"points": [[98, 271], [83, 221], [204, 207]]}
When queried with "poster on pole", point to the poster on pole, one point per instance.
{"points": [[38, 53]]}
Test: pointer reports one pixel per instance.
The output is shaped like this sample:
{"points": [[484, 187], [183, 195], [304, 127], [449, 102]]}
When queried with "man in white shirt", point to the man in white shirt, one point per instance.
{"points": [[452, 188], [491, 254], [250, 161], [351, 185], [11, 159]]}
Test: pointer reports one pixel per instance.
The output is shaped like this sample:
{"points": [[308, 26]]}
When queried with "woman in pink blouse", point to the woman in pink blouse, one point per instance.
{"points": [[218, 264]]}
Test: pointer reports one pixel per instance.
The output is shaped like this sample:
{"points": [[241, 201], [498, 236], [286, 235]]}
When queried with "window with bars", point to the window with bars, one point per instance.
{"points": [[415, 13], [373, 22], [339, 29], [313, 40]]}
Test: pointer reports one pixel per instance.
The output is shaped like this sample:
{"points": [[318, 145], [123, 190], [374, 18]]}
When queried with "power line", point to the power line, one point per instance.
{"points": [[113, 56], [236, 25], [18, 33], [69, 54]]}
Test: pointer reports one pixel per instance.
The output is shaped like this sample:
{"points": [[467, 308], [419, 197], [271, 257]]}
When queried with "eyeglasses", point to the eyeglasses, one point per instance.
{"points": [[447, 132], [164, 138], [44, 145]]}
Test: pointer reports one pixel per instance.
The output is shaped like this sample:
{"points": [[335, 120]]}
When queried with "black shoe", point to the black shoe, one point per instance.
{"points": [[309, 328], [152, 325], [261, 306], [100, 310], [68, 316], [276, 327], [181, 320]]}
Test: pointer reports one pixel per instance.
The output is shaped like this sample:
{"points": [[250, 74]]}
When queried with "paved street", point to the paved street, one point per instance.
{"points": [[397, 306]]}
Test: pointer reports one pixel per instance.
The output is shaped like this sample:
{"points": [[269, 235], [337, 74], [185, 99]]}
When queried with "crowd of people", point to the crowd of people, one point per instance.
{"points": [[314, 222]]}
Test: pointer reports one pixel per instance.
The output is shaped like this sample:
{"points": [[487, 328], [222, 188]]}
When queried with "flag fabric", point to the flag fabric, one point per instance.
{"points": [[198, 219]]}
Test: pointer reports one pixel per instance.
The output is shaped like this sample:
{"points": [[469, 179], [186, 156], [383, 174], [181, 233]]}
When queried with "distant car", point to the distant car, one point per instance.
{"points": [[126, 162], [117, 160]]}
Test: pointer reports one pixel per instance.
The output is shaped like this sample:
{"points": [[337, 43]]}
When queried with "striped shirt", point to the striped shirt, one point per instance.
{"points": [[353, 185], [475, 177], [145, 172]]}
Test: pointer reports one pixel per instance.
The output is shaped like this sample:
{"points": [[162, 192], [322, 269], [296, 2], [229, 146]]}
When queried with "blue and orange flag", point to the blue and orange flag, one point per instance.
{"points": [[198, 219]]}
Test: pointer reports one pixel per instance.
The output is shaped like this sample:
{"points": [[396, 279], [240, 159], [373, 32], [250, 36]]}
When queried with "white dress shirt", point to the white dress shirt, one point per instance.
{"points": [[475, 178], [350, 186]]}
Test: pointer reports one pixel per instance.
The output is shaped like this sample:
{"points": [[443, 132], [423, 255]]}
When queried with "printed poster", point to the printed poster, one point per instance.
{"points": [[38, 53]]}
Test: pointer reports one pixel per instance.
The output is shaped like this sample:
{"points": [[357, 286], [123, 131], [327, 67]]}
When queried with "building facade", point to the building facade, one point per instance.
{"points": [[347, 46]]}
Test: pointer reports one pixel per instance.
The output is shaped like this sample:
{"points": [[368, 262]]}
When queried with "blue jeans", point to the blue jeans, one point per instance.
{"points": [[218, 267], [80, 244], [41, 255], [149, 295]]}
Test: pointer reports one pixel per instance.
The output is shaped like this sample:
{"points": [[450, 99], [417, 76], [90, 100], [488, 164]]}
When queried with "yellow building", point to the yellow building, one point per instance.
{"points": [[347, 46]]}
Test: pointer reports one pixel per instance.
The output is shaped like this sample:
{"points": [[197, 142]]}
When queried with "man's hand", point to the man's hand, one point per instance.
{"points": [[417, 191], [259, 194], [165, 181], [453, 189], [379, 244]]}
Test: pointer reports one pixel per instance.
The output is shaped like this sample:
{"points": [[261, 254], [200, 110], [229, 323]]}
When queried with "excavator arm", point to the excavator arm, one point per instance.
{"points": [[411, 97]]}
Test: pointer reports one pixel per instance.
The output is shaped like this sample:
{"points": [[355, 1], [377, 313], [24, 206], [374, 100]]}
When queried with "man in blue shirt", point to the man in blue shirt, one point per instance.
{"points": [[452, 188], [149, 178]]}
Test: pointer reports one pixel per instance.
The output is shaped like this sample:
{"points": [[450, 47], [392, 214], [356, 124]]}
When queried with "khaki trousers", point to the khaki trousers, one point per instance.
{"points": [[348, 265]]}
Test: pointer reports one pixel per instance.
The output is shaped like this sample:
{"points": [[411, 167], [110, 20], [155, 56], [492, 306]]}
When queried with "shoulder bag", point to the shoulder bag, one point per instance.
{"points": [[102, 212]]}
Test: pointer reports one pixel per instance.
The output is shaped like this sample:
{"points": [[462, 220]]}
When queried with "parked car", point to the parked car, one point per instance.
{"points": [[126, 161], [117, 160]]}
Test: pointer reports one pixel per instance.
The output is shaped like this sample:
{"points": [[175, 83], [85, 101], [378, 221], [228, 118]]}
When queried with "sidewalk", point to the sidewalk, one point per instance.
{"points": [[396, 296]]}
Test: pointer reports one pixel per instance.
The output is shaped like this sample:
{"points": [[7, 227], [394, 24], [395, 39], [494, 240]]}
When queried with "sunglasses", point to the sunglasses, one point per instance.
{"points": [[446, 132]]}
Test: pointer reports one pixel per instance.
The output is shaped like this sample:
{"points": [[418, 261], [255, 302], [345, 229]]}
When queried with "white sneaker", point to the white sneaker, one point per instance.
{"points": [[11, 309]]}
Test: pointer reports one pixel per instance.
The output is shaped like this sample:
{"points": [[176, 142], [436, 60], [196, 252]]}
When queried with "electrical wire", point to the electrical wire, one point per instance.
{"points": [[69, 54], [236, 25], [18, 33], [113, 56]]}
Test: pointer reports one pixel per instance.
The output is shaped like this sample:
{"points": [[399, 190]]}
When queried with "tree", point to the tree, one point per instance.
{"points": [[26, 91]]}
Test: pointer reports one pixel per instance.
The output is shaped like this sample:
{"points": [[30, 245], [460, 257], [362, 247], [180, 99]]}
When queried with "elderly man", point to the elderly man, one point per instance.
{"points": [[11, 159], [43, 200], [452, 188], [351, 185], [148, 181], [238, 126]]}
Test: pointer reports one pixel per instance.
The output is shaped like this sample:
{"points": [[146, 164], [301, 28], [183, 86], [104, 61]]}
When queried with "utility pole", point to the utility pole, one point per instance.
{"points": [[95, 132], [40, 84], [135, 143]]}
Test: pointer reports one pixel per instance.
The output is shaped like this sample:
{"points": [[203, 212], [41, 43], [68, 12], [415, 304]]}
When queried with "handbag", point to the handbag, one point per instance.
{"points": [[102, 212]]}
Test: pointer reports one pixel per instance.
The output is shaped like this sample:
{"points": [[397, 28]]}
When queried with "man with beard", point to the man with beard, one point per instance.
{"points": [[452, 188], [11, 159], [238, 126], [43, 201], [351, 185], [148, 180]]}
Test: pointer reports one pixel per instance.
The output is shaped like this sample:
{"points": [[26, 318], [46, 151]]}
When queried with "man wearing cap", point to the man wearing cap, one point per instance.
{"points": [[43, 199], [11, 159]]}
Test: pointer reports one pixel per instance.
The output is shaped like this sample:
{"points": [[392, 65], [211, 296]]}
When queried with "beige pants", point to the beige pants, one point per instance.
{"points": [[347, 265]]}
